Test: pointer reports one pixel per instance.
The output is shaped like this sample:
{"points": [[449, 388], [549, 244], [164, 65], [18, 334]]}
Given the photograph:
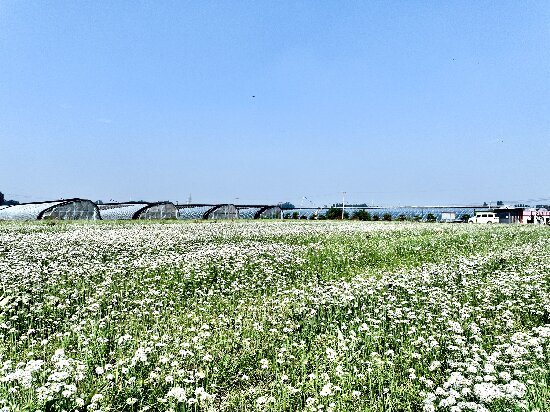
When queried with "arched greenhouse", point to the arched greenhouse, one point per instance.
{"points": [[259, 212], [69, 209], [203, 211], [138, 210], [222, 212]]}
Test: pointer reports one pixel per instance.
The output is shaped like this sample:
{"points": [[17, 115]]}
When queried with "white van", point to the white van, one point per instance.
{"points": [[484, 216]]}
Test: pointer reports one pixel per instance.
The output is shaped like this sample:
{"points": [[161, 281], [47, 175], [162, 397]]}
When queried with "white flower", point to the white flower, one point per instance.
{"points": [[97, 397], [489, 368], [487, 392], [327, 390], [505, 376], [261, 400], [264, 363], [177, 393], [515, 389], [331, 353], [434, 365]]}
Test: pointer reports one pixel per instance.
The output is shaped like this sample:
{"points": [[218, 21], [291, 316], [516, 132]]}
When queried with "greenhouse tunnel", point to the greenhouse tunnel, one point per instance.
{"points": [[206, 211], [67, 209], [138, 210], [259, 211]]}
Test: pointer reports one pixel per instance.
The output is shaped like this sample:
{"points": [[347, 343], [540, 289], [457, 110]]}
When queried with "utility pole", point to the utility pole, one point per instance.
{"points": [[343, 203]]}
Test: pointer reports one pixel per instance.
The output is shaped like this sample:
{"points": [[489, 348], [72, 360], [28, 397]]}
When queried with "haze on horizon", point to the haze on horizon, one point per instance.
{"points": [[265, 102]]}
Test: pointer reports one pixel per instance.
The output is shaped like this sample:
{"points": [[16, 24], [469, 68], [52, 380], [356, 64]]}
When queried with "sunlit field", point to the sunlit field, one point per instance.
{"points": [[274, 316]]}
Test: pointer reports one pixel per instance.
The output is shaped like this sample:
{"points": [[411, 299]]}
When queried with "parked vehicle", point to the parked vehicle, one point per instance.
{"points": [[484, 216]]}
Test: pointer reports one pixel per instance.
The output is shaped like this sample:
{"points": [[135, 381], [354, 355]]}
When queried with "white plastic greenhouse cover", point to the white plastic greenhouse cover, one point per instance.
{"points": [[248, 212], [190, 212], [121, 211], [258, 211], [71, 209]]}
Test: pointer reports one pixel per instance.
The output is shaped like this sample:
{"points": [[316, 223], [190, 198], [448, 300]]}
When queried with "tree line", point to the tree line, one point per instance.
{"points": [[4, 202]]}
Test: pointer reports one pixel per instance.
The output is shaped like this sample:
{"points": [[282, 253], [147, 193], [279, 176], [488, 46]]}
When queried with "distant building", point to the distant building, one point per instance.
{"points": [[519, 215]]}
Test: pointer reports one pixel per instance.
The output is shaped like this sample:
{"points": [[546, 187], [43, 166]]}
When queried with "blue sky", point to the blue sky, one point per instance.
{"points": [[393, 102]]}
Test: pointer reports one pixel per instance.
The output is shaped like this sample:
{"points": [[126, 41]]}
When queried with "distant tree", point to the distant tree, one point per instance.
{"points": [[401, 217], [303, 217], [417, 218], [500, 203], [485, 204], [286, 206], [295, 215], [387, 217], [2, 198], [335, 213], [321, 217], [430, 217], [375, 217], [465, 217], [361, 214], [286, 216]]}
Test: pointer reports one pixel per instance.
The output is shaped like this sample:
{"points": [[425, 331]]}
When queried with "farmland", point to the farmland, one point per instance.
{"points": [[281, 315]]}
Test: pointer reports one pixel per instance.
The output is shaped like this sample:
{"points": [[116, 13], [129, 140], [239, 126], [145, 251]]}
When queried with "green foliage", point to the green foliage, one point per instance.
{"points": [[335, 213], [387, 217], [361, 215], [465, 217], [375, 217], [430, 217], [401, 218], [286, 206], [4, 202]]}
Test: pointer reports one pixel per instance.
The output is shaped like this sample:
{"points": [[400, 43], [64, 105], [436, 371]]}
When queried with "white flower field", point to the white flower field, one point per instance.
{"points": [[274, 316]]}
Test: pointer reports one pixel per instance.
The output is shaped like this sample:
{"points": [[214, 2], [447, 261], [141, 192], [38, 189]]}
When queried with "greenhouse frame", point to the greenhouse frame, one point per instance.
{"points": [[259, 211], [138, 210], [206, 211], [66, 209]]}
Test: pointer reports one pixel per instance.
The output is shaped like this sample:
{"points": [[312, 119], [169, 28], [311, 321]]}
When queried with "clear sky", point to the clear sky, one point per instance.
{"points": [[394, 102]]}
